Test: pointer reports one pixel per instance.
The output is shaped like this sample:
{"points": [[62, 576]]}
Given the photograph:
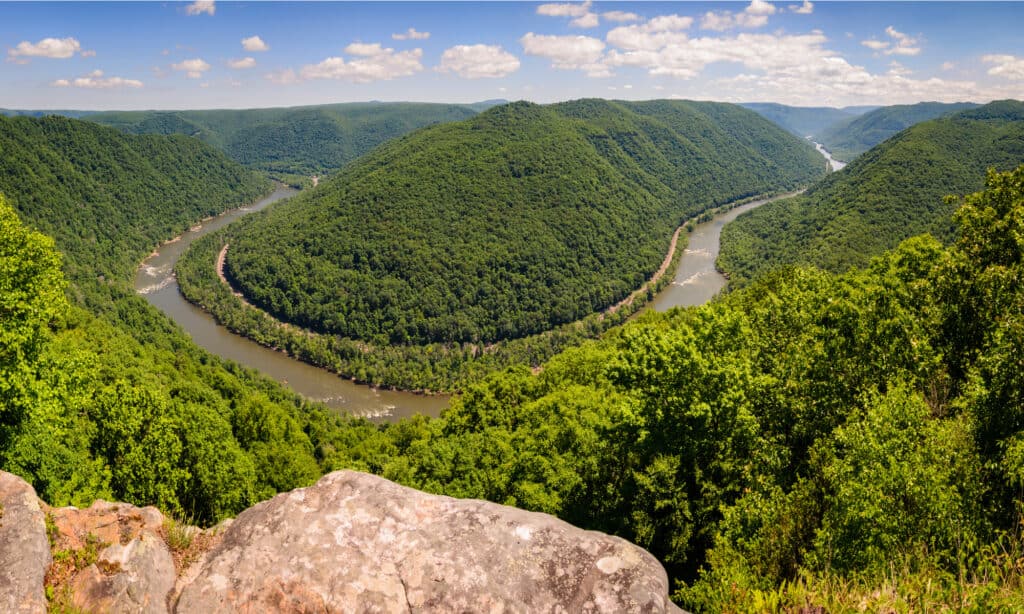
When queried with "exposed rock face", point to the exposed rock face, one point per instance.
{"points": [[351, 543], [24, 549], [133, 569], [355, 542]]}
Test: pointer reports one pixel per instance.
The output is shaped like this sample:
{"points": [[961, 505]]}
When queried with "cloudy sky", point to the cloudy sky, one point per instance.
{"points": [[210, 54]]}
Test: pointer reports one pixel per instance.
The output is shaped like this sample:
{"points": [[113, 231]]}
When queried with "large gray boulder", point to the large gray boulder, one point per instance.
{"points": [[358, 543], [24, 548]]}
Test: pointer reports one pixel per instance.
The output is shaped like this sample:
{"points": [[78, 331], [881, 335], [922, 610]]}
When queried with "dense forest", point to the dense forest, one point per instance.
{"points": [[516, 221], [802, 121], [847, 139], [810, 441], [292, 143], [886, 195], [101, 396]]}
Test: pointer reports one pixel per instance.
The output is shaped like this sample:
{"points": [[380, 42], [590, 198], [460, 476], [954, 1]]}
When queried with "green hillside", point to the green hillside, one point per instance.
{"points": [[102, 396], [890, 193], [801, 121], [292, 141], [849, 138], [508, 224]]}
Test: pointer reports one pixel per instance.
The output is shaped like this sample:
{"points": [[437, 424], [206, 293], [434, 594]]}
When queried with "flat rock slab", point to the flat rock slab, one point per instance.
{"points": [[24, 548], [358, 543]]}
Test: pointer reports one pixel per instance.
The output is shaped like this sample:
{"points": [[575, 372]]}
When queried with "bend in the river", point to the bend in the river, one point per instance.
{"points": [[696, 281]]}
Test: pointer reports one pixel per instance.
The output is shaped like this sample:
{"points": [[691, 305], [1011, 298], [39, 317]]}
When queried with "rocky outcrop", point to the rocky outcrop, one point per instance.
{"points": [[24, 549], [350, 543]]}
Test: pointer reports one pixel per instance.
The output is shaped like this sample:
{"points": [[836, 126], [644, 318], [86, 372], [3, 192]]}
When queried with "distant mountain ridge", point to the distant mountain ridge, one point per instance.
{"points": [[801, 121], [293, 141], [852, 137]]}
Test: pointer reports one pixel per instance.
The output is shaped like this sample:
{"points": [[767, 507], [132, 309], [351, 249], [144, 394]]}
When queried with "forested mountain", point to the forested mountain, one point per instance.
{"points": [[104, 397], [848, 139], [801, 121], [109, 197], [888, 194], [812, 442], [44, 113], [292, 141], [517, 220]]}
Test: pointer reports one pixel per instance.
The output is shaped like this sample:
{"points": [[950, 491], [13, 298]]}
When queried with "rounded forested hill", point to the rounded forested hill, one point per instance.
{"points": [[109, 197], [892, 192], [509, 223]]}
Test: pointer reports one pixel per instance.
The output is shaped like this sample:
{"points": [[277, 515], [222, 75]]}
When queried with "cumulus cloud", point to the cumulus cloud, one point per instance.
{"points": [[900, 43], [373, 63], [201, 6], [283, 77], [580, 12], [620, 16], [56, 48], [802, 9], [568, 52], [754, 16], [478, 61], [564, 10], [96, 80], [254, 43], [411, 35], [242, 63], [654, 34], [193, 68], [1006, 66], [877, 45], [790, 68], [903, 44]]}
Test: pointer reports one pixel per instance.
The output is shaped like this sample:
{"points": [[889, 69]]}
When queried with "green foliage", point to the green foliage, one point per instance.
{"points": [[888, 194], [848, 138], [291, 142], [521, 220], [106, 398]]}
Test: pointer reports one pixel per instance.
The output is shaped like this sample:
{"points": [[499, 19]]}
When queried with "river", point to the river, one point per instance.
{"points": [[155, 279], [696, 281]]}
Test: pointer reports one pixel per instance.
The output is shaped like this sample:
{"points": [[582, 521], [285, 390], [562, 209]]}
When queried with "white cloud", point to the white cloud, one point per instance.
{"points": [[589, 20], [478, 61], [283, 77], [568, 52], [254, 43], [242, 63], [580, 12], [374, 63], [877, 45], [620, 16], [1006, 66], [904, 45], [201, 6], [88, 54], [754, 16], [802, 9], [193, 68], [411, 34], [564, 10], [793, 69], [56, 48], [895, 68], [654, 34], [948, 66], [96, 80], [367, 49]]}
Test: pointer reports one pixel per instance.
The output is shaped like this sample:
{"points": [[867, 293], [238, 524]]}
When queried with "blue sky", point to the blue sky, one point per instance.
{"points": [[152, 55]]}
